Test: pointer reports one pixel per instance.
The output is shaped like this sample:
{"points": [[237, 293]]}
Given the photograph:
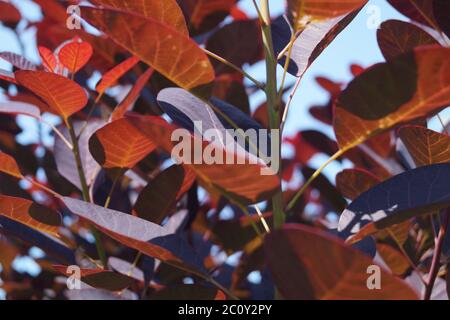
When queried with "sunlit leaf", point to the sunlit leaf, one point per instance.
{"points": [[301, 12], [167, 11], [310, 264], [9, 166], [31, 214], [410, 86], [352, 182], [169, 52], [119, 145], [132, 96], [64, 96], [111, 77], [75, 55], [412, 193], [48, 59]]}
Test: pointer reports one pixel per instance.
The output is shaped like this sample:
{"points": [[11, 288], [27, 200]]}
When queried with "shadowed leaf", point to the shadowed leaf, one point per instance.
{"points": [[398, 37], [441, 11], [319, 266], [188, 292], [18, 61], [417, 10]]}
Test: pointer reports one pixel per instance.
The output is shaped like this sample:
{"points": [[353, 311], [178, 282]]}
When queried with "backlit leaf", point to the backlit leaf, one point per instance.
{"points": [[301, 12], [205, 14], [425, 146], [64, 96], [352, 182], [169, 52], [31, 214], [111, 77], [167, 11], [119, 145], [319, 266], [9, 166], [408, 87], [397, 37], [75, 55], [48, 59]]}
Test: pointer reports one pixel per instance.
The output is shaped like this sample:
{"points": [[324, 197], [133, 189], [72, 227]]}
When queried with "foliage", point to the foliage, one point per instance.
{"points": [[104, 194]]}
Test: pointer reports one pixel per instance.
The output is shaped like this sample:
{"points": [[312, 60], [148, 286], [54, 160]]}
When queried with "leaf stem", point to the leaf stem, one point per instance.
{"points": [[85, 189], [235, 67], [272, 101], [312, 178], [439, 241]]}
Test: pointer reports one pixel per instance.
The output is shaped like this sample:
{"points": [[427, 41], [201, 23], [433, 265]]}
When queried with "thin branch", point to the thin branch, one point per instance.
{"points": [[235, 67], [57, 132], [289, 102]]}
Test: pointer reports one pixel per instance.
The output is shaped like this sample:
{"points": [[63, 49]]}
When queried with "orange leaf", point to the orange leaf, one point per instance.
{"points": [[202, 9], [75, 55], [30, 214], [64, 96], [119, 145], [171, 53], [48, 59], [167, 11], [9, 166], [301, 12], [352, 182], [408, 87], [110, 77], [425, 146], [132, 96]]}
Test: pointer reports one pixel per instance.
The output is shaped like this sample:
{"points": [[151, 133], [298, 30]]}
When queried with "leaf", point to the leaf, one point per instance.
{"points": [[144, 236], [417, 10], [119, 145], [424, 145], [310, 42], [206, 14], [301, 12], [18, 61], [398, 37], [30, 214], [238, 42], [9, 166], [100, 278], [352, 182], [75, 55], [441, 11], [169, 52], [8, 76], [97, 294], [65, 160], [412, 193], [188, 292], [242, 180], [132, 96], [310, 264], [410, 86], [396, 262], [64, 96], [12, 107], [9, 13], [48, 59], [111, 77], [126, 268], [167, 11], [157, 199]]}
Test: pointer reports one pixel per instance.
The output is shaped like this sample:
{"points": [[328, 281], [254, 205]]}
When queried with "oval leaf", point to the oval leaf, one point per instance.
{"points": [[111, 77], [75, 55]]}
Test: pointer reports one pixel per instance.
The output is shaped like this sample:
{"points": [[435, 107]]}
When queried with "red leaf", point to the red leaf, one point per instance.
{"points": [[307, 263], [9, 13], [111, 77], [171, 53], [48, 59], [9, 166], [75, 55], [64, 96], [352, 182], [31, 214]]}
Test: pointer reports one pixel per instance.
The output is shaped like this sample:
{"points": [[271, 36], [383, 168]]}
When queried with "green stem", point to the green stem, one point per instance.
{"points": [[85, 189], [272, 101], [312, 178]]}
